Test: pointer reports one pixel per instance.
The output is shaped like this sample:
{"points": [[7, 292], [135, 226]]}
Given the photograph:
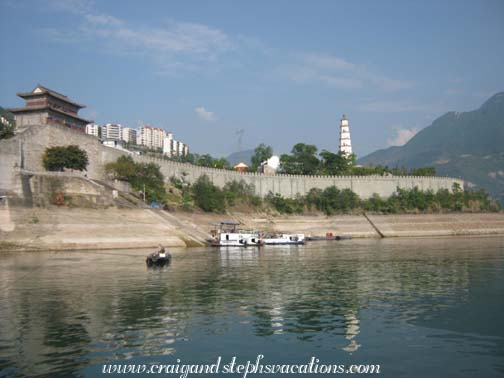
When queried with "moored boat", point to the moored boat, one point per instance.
{"points": [[226, 234], [293, 239]]}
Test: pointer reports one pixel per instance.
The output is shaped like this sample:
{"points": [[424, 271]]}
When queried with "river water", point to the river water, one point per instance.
{"points": [[416, 307]]}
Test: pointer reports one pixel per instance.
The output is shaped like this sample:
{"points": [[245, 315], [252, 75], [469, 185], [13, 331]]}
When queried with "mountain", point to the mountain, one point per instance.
{"points": [[469, 145], [244, 156]]}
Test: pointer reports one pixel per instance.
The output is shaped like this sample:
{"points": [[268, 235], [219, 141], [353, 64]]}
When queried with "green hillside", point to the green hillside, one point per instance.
{"points": [[469, 145]]}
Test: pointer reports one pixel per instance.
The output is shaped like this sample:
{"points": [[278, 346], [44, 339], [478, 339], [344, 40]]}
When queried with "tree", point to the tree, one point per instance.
{"points": [[458, 196], [261, 153], [238, 191], [60, 157], [189, 158], [7, 124], [303, 160], [124, 168], [334, 164], [207, 196], [423, 171], [205, 160], [141, 176], [285, 205], [149, 176], [289, 165], [221, 163]]}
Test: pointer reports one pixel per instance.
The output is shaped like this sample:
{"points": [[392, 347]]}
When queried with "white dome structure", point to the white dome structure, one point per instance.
{"points": [[270, 166]]}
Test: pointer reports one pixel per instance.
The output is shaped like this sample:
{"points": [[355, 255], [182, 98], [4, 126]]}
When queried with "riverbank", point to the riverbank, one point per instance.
{"points": [[370, 226], [74, 229]]}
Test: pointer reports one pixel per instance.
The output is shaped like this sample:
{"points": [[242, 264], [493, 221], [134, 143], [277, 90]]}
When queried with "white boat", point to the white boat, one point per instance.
{"points": [[226, 235], [237, 239], [285, 239]]}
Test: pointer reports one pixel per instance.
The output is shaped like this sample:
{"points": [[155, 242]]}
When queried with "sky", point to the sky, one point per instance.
{"points": [[225, 76]]}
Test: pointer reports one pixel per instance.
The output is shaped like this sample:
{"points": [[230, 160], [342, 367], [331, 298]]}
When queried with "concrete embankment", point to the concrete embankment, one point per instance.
{"points": [[67, 229], [359, 226], [407, 225], [72, 229]]}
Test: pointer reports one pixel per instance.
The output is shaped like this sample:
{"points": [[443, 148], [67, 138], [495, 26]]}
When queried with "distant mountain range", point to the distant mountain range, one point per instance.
{"points": [[240, 156], [469, 145]]}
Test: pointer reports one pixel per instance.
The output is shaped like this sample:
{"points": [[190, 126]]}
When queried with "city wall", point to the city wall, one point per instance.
{"points": [[25, 150]]}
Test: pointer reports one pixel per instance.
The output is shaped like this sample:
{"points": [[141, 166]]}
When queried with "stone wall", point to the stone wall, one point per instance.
{"points": [[291, 185], [25, 151], [39, 189]]}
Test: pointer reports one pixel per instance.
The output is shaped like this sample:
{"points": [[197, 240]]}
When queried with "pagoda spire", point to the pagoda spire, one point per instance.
{"points": [[345, 144]]}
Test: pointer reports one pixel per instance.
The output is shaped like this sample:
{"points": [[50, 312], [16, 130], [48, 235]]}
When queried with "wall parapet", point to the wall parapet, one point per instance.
{"points": [[257, 174]]}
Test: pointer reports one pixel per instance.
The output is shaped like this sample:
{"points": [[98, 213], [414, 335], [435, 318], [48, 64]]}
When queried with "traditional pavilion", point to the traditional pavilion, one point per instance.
{"points": [[47, 107], [241, 167]]}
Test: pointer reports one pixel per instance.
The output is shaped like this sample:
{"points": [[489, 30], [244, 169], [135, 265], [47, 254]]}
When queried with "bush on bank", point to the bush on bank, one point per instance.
{"points": [[143, 177], [335, 201], [210, 198], [332, 200]]}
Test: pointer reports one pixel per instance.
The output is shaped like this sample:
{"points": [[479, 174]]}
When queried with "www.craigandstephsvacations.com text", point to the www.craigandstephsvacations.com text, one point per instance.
{"points": [[181, 370]]}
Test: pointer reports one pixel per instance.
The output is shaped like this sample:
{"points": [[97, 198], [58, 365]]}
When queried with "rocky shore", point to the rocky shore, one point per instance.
{"points": [[75, 229]]}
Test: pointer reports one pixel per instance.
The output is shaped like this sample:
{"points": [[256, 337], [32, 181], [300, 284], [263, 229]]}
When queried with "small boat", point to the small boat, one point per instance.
{"points": [[337, 237], [293, 239], [158, 259], [226, 234]]}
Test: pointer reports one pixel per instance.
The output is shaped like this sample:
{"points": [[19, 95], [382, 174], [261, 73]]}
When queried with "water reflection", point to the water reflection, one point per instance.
{"points": [[62, 313], [352, 331]]}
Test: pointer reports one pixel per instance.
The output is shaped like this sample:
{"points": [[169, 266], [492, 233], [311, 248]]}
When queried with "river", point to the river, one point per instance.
{"points": [[415, 307]]}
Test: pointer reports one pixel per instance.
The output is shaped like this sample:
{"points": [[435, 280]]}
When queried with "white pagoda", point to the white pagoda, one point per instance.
{"points": [[345, 144]]}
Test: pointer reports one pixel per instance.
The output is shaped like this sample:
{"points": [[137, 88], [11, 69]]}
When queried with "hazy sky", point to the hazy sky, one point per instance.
{"points": [[283, 71]]}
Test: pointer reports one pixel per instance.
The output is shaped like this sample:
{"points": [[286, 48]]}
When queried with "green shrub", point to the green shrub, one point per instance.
{"points": [[141, 176], [285, 205], [60, 157], [238, 191], [207, 196]]}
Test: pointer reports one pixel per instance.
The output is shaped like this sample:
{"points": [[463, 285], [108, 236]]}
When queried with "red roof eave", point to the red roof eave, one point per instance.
{"points": [[25, 95], [43, 107]]}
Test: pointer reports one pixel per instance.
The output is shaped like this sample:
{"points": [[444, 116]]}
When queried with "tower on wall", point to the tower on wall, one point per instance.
{"points": [[345, 144], [45, 106]]}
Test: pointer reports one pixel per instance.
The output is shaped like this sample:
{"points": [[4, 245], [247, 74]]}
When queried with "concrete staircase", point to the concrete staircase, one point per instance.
{"points": [[188, 229]]}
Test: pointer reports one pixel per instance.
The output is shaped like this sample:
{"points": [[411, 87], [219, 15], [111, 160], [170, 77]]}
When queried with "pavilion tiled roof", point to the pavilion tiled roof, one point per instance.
{"points": [[241, 165], [52, 93], [44, 107]]}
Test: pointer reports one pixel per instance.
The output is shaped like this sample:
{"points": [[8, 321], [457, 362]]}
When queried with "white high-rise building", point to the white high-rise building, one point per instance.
{"points": [[129, 135], [112, 131], [93, 129], [180, 149], [144, 136], [158, 136], [174, 148], [151, 137], [167, 145], [345, 144]]}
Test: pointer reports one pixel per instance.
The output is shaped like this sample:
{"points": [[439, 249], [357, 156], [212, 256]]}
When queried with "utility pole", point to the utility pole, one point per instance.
{"points": [[240, 139], [144, 193]]}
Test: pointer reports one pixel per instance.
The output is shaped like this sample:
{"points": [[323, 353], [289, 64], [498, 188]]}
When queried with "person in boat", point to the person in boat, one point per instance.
{"points": [[160, 252], [159, 258]]}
